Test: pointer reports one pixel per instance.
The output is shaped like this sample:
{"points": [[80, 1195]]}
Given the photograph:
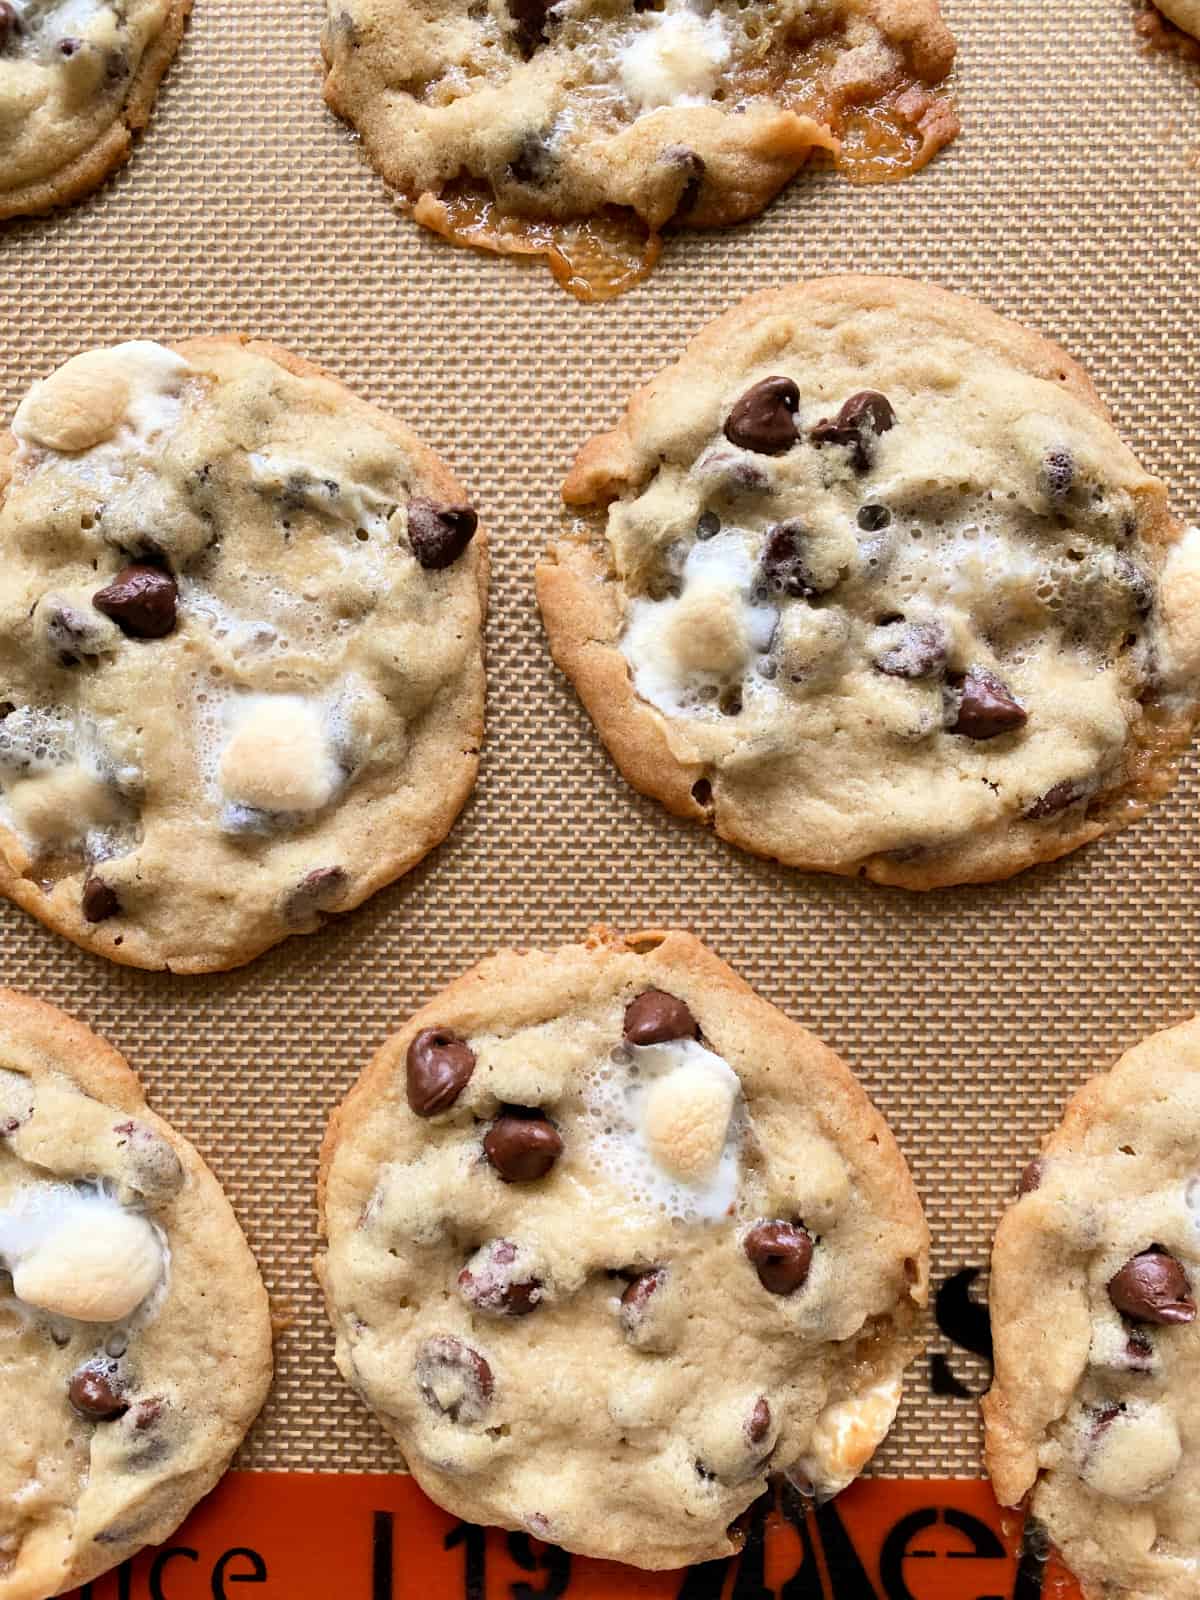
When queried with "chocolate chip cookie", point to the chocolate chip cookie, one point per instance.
{"points": [[1095, 1273], [578, 130], [241, 670], [868, 583], [1171, 25], [77, 81], [610, 1241], [134, 1327]]}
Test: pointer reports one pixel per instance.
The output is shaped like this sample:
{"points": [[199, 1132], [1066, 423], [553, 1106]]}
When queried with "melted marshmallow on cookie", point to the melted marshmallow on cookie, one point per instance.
{"points": [[77, 1253]]}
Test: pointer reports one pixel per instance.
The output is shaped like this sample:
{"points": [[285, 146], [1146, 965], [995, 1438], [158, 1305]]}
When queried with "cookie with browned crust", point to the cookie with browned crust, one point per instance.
{"points": [[868, 583], [1184, 14], [1095, 1272], [577, 129], [610, 1241], [135, 1344], [77, 80], [241, 653]]}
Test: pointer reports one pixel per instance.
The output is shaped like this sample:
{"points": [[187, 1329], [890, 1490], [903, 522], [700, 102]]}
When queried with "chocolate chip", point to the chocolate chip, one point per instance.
{"points": [[691, 169], [783, 563], [10, 23], [533, 162], [758, 1424], [69, 47], [1031, 1177], [986, 709], [1139, 1352], [873, 517], [439, 534], [99, 900], [764, 419], [920, 649], [1057, 798], [529, 23], [95, 1392], [857, 425], [1138, 586], [1152, 1287], [1057, 474], [313, 893], [782, 1255], [454, 1380], [635, 1301], [147, 1413], [656, 1017], [487, 1282], [438, 1068], [708, 526], [140, 600], [522, 1144]]}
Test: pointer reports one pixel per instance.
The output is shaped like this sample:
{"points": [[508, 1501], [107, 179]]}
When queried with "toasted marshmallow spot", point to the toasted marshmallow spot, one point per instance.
{"points": [[706, 635], [1134, 1456], [846, 1435], [685, 1118], [278, 757], [77, 1253], [89, 397], [61, 806], [676, 60]]}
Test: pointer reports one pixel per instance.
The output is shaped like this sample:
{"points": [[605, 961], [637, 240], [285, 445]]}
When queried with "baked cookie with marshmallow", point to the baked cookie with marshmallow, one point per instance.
{"points": [[241, 659], [609, 1241], [1093, 1417], [78, 80], [135, 1336], [868, 583], [577, 130]]}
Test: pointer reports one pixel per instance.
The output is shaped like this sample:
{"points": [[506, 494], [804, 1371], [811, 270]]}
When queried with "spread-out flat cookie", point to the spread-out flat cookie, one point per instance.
{"points": [[135, 1337], [1094, 1412], [868, 583], [610, 1240], [579, 129], [77, 81], [241, 669]]}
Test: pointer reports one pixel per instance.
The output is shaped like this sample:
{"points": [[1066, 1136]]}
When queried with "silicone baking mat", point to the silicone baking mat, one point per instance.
{"points": [[1069, 201]]}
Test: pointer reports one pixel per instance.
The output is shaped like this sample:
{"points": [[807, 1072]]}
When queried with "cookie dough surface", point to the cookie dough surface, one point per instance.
{"points": [[1184, 14], [241, 673], [610, 1240], [868, 582], [77, 80], [672, 111], [135, 1339], [1094, 1411]]}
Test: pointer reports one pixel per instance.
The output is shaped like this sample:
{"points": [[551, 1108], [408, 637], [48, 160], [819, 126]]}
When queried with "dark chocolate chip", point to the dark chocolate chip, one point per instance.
{"points": [[919, 651], [140, 600], [708, 526], [871, 518], [691, 169], [95, 1392], [116, 66], [454, 1380], [439, 534], [1057, 798], [533, 162], [438, 1068], [529, 23], [758, 1424], [1057, 474], [784, 568], [1139, 1352], [69, 47], [781, 1253], [857, 426], [10, 23], [1031, 1177], [764, 419], [1152, 1287], [1138, 586], [522, 1144], [313, 893], [99, 900], [656, 1017], [635, 1301], [987, 709], [147, 1413], [488, 1284]]}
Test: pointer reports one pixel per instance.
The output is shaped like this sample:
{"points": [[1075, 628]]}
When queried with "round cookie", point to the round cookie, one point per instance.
{"points": [[610, 1240], [241, 657], [868, 583], [506, 124], [135, 1336], [77, 80], [1095, 1270]]}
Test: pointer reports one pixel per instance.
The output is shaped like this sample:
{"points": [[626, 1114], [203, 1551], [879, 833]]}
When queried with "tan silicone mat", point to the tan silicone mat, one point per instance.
{"points": [[1070, 201]]}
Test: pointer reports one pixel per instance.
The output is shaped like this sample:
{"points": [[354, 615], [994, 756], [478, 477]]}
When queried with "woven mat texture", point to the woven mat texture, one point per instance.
{"points": [[1070, 201]]}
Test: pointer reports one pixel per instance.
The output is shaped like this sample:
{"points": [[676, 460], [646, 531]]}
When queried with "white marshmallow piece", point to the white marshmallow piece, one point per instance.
{"points": [[846, 1435], [80, 1254], [277, 757], [675, 60], [93, 396], [685, 1118]]}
